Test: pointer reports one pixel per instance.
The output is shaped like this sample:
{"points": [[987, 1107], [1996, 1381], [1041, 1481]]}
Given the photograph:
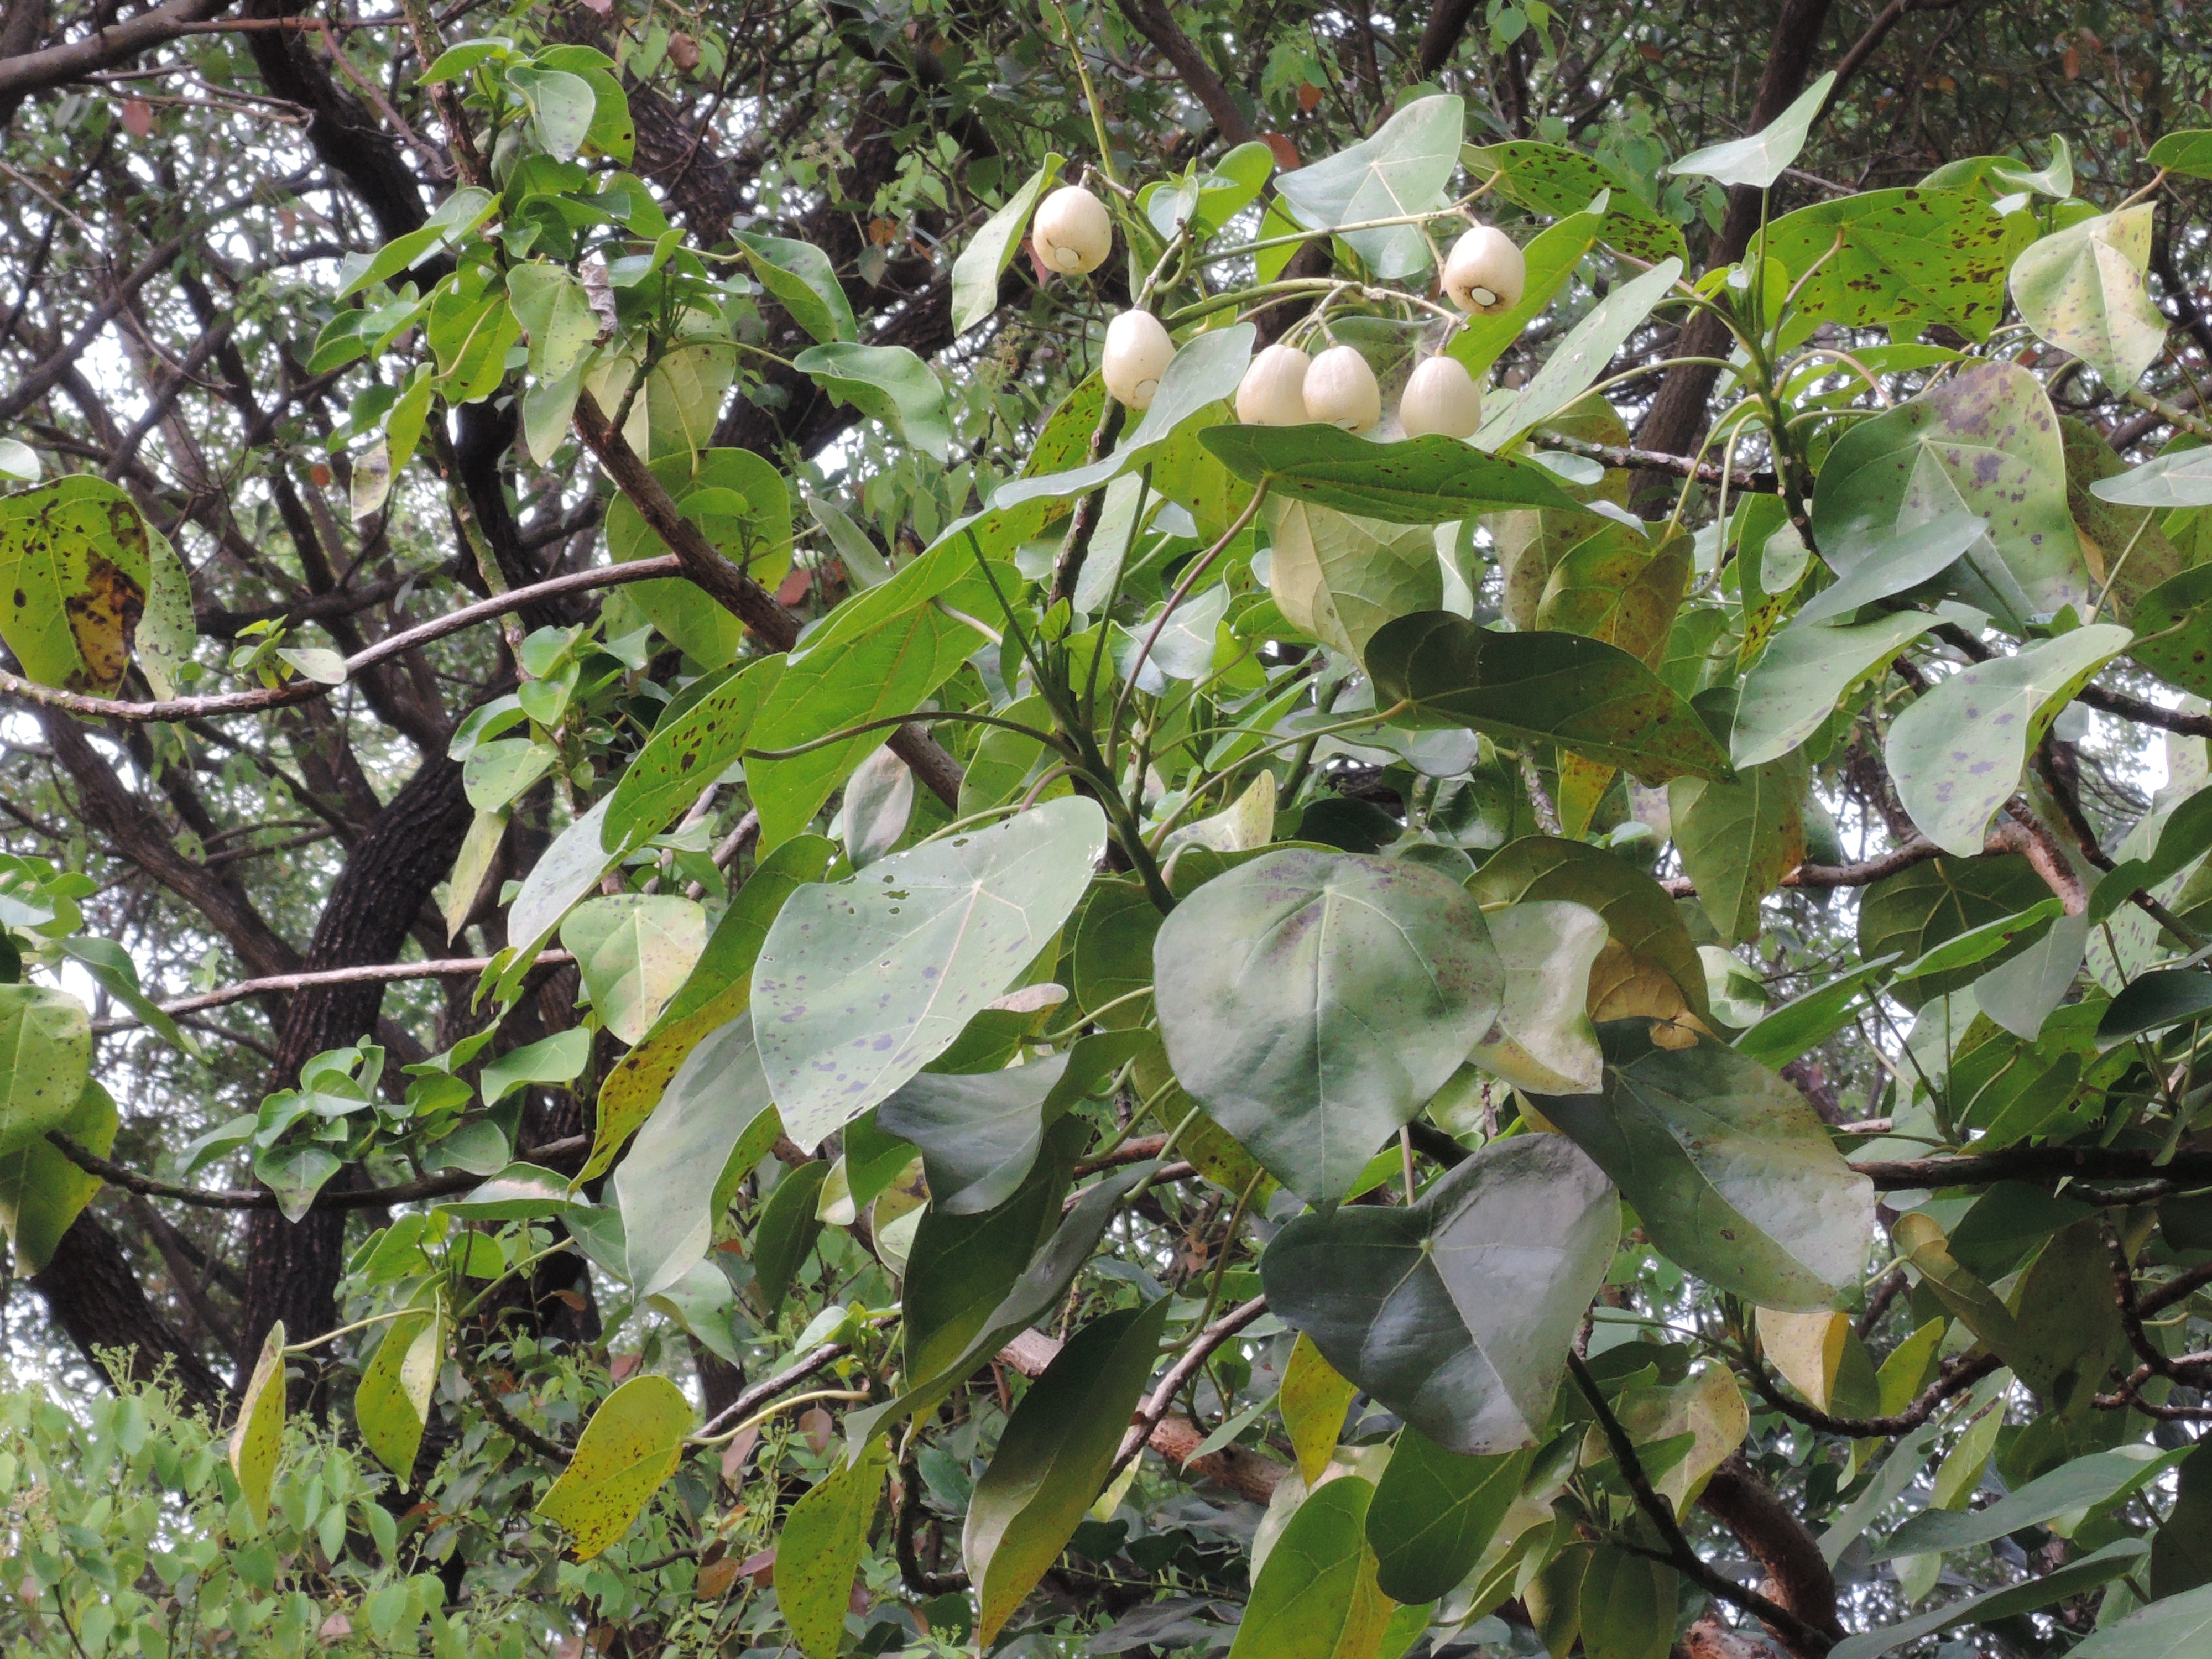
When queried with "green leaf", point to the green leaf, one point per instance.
{"points": [[975, 273], [2082, 1484], [1957, 752], [564, 874], [819, 1550], [1905, 915], [885, 383], [42, 1191], [1761, 159], [392, 1404], [744, 507], [2188, 151], [2074, 1578], [1573, 364], [689, 751], [1626, 1604], [1798, 1027], [1313, 1398], [1582, 694], [979, 1134], [1429, 480], [1550, 259], [1311, 1002], [1614, 586], [1560, 182], [1731, 1172], [45, 1061], [1034, 1292], [1315, 1597], [516, 1192], [628, 1449], [1339, 579], [2172, 624], [1456, 1311], [633, 950], [786, 1230], [862, 984], [1544, 1040], [1804, 674], [1738, 839], [2180, 477], [1054, 1456], [167, 634], [1648, 937], [557, 1059], [1402, 169], [1984, 441], [1899, 258], [257, 1434], [457, 215], [2153, 1001], [1434, 1513], [499, 771], [2178, 1624], [554, 311], [2081, 289], [75, 568], [296, 1171], [718, 991], [561, 106], [1869, 573], [803, 281], [714, 1122], [19, 462], [2181, 1550]]}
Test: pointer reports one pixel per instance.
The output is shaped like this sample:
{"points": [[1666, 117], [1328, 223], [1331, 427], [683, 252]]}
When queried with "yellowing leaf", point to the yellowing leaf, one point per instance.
{"points": [[630, 1449], [1806, 1348], [75, 570], [820, 1549], [1313, 1400], [1708, 1405], [258, 1434]]}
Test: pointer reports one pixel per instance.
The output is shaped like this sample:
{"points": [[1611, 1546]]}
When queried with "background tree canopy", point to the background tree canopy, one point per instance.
{"points": [[853, 827]]}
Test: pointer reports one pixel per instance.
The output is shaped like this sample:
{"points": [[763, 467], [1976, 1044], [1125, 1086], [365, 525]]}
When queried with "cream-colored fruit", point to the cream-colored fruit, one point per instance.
{"points": [[1486, 271], [1273, 390], [1341, 390], [1137, 352], [1441, 397], [1072, 232]]}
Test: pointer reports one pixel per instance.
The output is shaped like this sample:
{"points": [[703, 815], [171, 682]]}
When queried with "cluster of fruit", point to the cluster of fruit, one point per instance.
{"points": [[1485, 273]]}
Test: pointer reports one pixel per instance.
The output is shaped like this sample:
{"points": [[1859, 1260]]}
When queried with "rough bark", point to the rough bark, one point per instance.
{"points": [[93, 1297], [1798, 1575]]}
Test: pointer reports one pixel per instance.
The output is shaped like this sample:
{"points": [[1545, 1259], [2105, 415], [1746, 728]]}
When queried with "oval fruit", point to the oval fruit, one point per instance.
{"points": [[1486, 271], [1341, 390], [1072, 232], [1441, 397], [1137, 352], [1273, 390]]}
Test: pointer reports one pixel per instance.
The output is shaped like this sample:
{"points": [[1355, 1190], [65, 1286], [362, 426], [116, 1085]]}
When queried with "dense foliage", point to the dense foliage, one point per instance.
{"points": [[1120, 830]]}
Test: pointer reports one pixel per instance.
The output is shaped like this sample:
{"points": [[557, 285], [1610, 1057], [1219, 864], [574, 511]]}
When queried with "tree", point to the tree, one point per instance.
{"points": [[1077, 827]]}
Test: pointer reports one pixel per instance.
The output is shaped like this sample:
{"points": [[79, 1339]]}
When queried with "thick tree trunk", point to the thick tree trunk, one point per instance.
{"points": [[291, 1268], [92, 1295]]}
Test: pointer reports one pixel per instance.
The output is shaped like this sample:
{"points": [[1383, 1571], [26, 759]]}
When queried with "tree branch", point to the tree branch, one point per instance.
{"points": [[37, 71], [552, 1155], [1152, 20], [304, 691]]}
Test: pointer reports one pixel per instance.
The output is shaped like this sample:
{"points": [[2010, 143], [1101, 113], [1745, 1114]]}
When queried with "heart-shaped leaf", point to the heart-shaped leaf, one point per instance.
{"points": [[1312, 1001], [1899, 257], [1456, 1311], [862, 983], [1582, 694], [2081, 289], [1402, 169], [1759, 160], [1730, 1172]]}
